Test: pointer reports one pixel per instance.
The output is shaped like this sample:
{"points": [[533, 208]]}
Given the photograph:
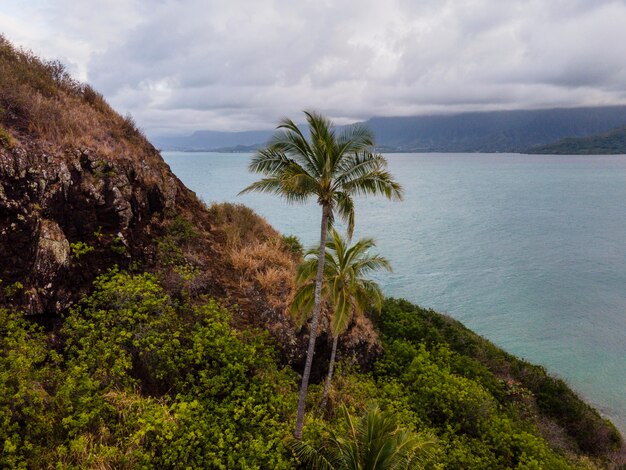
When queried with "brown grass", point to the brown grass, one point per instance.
{"points": [[240, 224], [39, 99], [256, 251], [269, 265]]}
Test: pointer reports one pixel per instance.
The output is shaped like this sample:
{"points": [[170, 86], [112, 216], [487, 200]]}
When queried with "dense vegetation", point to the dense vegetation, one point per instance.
{"points": [[613, 142], [136, 378], [148, 371]]}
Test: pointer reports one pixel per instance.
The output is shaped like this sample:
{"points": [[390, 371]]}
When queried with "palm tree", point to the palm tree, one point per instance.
{"points": [[333, 167], [344, 286], [375, 442]]}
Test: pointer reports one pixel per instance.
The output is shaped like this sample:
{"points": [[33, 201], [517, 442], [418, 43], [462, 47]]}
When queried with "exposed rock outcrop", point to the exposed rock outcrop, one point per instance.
{"points": [[52, 202], [82, 190]]}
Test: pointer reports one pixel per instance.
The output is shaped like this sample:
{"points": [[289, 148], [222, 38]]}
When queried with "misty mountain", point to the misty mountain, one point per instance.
{"points": [[492, 131], [497, 131], [610, 143], [213, 140]]}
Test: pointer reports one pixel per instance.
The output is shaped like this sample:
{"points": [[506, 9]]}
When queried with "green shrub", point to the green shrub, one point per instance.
{"points": [[80, 249], [142, 381], [13, 289], [6, 139], [478, 359], [293, 244], [27, 375], [227, 402]]}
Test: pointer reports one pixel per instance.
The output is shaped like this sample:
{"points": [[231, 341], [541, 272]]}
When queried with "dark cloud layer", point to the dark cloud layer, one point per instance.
{"points": [[178, 66]]}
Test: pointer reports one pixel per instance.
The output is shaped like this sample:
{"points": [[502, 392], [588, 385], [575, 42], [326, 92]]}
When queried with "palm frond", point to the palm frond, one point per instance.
{"points": [[375, 441], [319, 459], [269, 161], [371, 263], [302, 303], [376, 182], [342, 311], [355, 138], [368, 294], [307, 270], [288, 139], [356, 165], [345, 209]]}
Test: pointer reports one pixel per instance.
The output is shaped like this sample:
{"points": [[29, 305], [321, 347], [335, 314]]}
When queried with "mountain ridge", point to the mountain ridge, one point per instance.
{"points": [[609, 143], [487, 131]]}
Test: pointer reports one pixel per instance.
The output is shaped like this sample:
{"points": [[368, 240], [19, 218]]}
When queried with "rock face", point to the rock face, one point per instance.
{"points": [[67, 217], [82, 190], [64, 218]]}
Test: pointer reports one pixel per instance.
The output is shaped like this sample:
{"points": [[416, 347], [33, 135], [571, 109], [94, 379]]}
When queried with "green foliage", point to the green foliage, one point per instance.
{"points": [[80, 248], [142, 381], [475, 358], [13, 289], [6, 139], [375, 441], [137, 379], [346, 286], [118, 246], [180, 232], [98, 233], [26, 377], [293, 244]]}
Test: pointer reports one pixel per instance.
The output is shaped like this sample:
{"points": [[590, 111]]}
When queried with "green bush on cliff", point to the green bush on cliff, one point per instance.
{"points": [[143, 381], [137, 379], [478, 359]]}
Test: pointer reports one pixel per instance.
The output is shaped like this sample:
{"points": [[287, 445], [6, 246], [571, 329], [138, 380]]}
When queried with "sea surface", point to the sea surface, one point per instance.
{"points": [[529, 251]]}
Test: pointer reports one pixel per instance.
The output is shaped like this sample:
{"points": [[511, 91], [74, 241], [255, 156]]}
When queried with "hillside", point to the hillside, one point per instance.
{"points": [[82, 190], [495, 131], [141, 329], [609, 143]]}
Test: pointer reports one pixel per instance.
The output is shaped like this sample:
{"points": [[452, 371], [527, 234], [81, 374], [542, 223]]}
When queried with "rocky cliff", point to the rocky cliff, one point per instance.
{"points": [[82, 190]]}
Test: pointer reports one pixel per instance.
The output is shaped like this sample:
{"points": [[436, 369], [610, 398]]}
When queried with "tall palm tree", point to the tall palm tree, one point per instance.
{"points": [[345, 287], [332, 167], [375, 442]]}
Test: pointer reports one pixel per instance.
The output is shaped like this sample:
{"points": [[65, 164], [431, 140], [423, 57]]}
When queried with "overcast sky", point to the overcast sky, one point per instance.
{"points": [[179, 66]]}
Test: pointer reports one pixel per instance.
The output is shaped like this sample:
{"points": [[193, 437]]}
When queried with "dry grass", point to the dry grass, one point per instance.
{"points": [[256, 251], [269, 265], [240, 224], [39, 99]]}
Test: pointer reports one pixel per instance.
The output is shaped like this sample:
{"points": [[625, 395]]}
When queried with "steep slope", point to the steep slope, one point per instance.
{"points": [[73, 174], [82, 190], [610, 143], [147, 371]]}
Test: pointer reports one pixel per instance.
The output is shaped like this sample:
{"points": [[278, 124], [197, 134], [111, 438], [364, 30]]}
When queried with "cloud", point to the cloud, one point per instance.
{"points": [[178, 66]]}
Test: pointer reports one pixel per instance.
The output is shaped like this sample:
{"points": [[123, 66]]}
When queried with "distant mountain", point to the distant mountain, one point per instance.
{"points": [[213, 140], [493, 131], [497, 131], [612, 142]]}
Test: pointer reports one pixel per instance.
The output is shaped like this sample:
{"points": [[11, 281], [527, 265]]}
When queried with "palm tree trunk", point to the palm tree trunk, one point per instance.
{"points": [[314, 321], [329, 377]]}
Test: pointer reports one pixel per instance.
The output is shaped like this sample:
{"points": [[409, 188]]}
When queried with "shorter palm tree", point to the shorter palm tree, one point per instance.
{"points": [[345, 287], [375, 442]]}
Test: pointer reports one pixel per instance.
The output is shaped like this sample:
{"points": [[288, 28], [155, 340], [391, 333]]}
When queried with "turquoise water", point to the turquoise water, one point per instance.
{"points": [[528, 251]]}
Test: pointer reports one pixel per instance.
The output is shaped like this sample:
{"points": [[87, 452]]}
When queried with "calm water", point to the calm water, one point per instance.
{"points": [[528, 251]]}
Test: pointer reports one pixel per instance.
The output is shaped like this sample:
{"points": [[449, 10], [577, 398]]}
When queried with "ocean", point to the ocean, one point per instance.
{"points": [[528, 251]]}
